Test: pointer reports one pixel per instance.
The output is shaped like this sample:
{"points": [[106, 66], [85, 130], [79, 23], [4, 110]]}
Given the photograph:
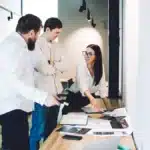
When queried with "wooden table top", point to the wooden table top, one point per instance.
{"points": [[56, 142]]}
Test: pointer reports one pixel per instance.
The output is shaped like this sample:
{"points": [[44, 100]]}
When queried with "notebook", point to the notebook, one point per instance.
{"points": [[74, 119]]}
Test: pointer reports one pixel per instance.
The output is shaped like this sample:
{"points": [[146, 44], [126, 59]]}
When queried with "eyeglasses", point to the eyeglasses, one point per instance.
{"points": [[85, 53]]}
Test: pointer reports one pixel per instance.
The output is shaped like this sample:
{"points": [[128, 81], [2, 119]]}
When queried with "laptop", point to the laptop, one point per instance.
{"points": [[103, 144]]}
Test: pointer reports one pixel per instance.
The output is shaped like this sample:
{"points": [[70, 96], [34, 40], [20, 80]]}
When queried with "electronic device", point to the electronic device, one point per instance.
{"points": [[75, 130], [72, 137]]}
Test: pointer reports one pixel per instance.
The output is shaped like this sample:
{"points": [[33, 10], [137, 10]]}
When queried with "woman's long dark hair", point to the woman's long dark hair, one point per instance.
{"points": [[98, 66]]}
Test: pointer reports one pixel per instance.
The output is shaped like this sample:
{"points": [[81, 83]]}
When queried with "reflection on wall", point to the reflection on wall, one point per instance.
{"points": [[78, 33], [75, 43]]}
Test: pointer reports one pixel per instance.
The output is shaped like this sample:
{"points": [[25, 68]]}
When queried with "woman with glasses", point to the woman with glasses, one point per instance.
{"points": [[90, 79]]}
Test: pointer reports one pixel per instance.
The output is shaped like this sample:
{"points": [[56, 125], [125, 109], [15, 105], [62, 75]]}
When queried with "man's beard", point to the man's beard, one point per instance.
{"points": [[31, 44]]}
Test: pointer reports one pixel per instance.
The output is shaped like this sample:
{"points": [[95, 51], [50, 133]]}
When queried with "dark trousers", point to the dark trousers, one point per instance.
{"points": [[76, 102], [15, 130], [51, 120]]}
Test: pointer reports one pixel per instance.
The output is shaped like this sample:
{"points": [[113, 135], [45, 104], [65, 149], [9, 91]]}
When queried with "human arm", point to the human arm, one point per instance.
{"points": [[83, 84]]}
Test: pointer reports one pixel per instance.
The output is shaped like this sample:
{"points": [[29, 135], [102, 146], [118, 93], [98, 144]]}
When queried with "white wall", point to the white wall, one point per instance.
{"points": [[136, 68], [130, 53], [43, 9], [78, 33], [130, 43], [6, 27], [11, 5], [143, 78], [29, 6]]}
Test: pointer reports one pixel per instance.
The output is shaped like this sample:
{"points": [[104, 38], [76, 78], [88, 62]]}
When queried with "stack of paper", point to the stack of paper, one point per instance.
{"points": [[120, 112], [74, 119]]}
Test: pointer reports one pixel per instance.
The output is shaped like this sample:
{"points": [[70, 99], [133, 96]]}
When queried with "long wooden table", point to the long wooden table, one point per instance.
{"points": [[56, 142]]}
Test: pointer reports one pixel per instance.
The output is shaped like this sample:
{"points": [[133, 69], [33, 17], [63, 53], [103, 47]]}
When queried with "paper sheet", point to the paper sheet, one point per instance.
{"points": [[99, 123], [74, 119], [117, 112]]}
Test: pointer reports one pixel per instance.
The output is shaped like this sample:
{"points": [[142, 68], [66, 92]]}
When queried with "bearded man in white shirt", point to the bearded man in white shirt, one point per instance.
{"points": [[17, 83], [44, 119]]}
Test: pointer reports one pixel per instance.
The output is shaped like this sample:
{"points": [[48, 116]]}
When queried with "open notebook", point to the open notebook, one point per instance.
{"points": [[74, 119]]}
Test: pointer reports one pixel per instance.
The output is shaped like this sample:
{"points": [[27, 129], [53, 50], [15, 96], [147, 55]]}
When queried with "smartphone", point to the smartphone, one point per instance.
{"points": [[72, 137]]}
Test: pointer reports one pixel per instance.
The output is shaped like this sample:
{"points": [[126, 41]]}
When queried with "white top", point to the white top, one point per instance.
{"points": [[50, 83], [16, 78], [84, 81]]}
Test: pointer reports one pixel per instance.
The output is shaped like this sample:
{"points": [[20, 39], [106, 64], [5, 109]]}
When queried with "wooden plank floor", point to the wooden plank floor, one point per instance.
{"points": [[111, 103]]}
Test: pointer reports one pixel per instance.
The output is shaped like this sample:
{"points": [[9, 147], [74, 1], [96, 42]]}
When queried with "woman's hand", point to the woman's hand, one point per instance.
{"points": [[93, 101], [95, 105]]}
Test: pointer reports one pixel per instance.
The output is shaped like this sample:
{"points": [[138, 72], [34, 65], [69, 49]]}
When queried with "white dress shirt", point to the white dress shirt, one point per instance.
{"points": [[50, 82], [17, 89], [84, 81]]}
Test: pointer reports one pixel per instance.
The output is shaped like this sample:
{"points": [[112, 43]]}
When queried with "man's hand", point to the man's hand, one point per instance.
{"points": [[51, 101], [58, 98]]}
